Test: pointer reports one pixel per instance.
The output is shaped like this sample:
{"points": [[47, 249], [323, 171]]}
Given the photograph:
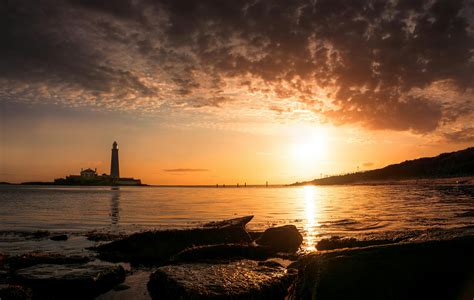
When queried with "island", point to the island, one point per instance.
{"points": [[90, 176]]}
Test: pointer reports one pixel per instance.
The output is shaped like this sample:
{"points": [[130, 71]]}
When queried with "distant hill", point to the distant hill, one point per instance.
{"points": [[454, 164]]}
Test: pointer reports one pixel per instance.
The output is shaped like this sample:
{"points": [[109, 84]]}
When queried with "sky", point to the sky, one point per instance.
{"points": [[227, 92]]}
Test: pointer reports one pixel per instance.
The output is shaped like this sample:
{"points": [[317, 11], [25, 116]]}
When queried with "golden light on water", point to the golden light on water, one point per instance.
{"points": [[309, 194]]}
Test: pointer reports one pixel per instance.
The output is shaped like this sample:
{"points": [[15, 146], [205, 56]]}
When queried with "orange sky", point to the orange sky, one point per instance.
{"points": [[226, 92], [52, 146]]}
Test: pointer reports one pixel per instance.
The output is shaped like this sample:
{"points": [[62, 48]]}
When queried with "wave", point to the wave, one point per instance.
{"points": [[353, 225]]}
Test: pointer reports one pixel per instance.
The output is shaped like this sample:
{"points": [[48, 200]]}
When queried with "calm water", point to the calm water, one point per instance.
{"points": [[317, 211]]}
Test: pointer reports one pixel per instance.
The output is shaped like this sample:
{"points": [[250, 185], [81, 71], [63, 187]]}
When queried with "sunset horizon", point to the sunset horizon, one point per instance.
{"points": [[103, 167]]}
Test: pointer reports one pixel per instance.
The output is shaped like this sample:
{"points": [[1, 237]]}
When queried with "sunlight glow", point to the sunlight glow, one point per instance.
{"points": [[310, 147]]}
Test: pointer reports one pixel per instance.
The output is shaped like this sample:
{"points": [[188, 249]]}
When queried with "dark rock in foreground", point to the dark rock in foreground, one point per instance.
{"points": [[60, 237], [156, 247], [284, 238], [244, 279], [429, 270], [40, 234], [393, 237], [3, 277], [3, 258], [35, 258], [242, 221], [96, 236], [69, 281], [338, 243], [223, 251], [255, 235], [14, 293], [137, 283]]}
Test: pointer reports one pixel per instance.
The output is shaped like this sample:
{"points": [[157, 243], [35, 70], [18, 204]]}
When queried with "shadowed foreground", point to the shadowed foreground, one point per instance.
{"points": [[428, 270], [221, 260]]}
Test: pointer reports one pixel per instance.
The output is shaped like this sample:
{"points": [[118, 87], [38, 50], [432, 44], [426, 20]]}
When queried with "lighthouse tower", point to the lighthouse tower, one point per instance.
{"points": [[114, 164]]}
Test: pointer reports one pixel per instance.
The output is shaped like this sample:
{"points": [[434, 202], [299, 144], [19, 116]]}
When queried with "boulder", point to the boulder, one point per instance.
{"points": [[242, 221], [14, 293], [35, 258], [69, 281], [40, 234], [284, 238], [223, 251], [441, 269], [3, 259], [255, 235], [4, 276], [243, 279], [156, 247], [336, 242], [60, 237]]}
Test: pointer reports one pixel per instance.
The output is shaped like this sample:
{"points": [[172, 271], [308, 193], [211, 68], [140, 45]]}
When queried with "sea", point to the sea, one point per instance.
{"points": [[359, 211]]}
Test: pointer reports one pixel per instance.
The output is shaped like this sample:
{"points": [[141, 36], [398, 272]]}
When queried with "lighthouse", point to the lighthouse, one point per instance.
{"points": [[114, 164], [90, 177]]}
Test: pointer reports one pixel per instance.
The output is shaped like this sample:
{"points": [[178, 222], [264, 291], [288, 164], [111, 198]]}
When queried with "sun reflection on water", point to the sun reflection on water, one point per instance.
{"points": [[309, 194]]}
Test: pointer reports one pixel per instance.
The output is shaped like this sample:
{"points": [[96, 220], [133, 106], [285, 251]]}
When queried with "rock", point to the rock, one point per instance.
{"points": [[61, 237], [137, 281], [270, 263], [3, 259], [156, 247], [35, 258], [103, 236], [121, 287], [40, 234], [14, 293], [392, 237], [467, 214], [243, 279], [70, 281], [223, 251], [284, 238], [255, 235], [336, 242], [25, 235], [424, 270], [3, 276], [242, 221], [294, 265]]}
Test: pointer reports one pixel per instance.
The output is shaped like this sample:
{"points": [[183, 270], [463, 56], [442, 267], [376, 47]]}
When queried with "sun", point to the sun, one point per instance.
{"points": [[310, 147]]}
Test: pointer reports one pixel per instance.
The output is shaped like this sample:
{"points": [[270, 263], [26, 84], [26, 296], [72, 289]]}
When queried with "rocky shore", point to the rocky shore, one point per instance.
{"points": [[222, 260], [438, 269]]}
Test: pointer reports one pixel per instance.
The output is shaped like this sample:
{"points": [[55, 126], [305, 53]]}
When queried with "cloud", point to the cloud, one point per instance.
{"points": [[373, 63], [465, 135], [368, 164], [184, 170]]}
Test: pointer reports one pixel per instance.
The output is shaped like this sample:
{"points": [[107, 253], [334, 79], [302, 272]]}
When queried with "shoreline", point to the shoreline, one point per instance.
{"points": [[465, 180], [221, 248]]}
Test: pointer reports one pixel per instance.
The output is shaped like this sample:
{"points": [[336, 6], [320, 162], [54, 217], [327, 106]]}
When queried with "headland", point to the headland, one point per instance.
{"points": [[455, 167]]}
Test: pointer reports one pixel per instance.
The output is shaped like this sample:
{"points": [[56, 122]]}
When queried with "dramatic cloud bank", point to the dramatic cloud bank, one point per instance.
{"points": [[401, 65]]}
